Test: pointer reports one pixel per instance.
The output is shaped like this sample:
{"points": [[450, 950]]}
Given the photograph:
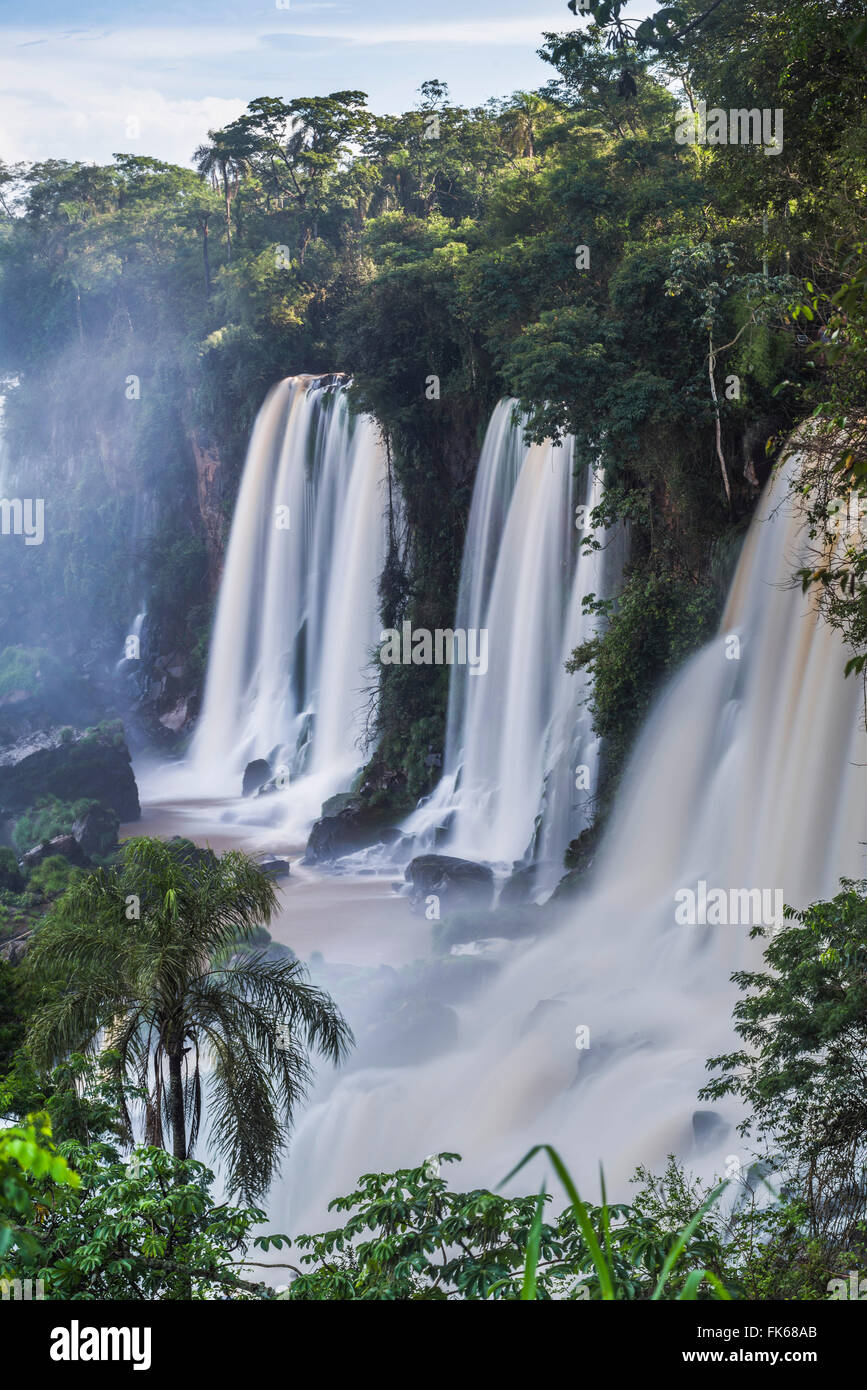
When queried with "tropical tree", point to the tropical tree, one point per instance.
{"points": [[225, 161], [802, 1023], [196, 211], [155, 955], [523, 119]]}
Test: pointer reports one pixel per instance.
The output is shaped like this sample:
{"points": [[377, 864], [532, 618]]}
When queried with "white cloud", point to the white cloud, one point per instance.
{"points": [[69, 94], [94, 123]]}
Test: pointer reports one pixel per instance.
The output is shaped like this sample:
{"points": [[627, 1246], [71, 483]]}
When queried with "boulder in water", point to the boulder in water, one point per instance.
{"points": [[274, 867], [275, 782], [708, 1128], [481, 924], [453, 979], [256, 774], [348, 824], [417, 1031], [458, 883]]}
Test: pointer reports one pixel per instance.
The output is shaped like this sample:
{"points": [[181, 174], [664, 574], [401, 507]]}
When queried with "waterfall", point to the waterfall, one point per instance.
{"points": [[751, 774], [518, 736], [297, 615]]}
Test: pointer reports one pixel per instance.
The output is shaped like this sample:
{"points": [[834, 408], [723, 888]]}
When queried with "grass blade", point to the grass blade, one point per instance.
{"points": [[675, 1251], [579, 1209], [534, 1240], [690, 1289]]}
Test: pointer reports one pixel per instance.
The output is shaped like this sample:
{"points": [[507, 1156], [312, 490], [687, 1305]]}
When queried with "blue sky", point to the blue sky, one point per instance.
{"points": [[85, 78]]}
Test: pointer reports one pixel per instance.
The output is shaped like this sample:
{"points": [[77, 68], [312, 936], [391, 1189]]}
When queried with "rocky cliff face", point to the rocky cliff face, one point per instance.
{"points": [[209, 491]]}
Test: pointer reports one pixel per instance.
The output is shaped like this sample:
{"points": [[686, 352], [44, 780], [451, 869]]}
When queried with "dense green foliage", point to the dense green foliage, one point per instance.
{"points": [[27, 1158], [427, 1242], [432, 255], [787, 1226], [803, 1025], [47, 817], [88, 1224]]}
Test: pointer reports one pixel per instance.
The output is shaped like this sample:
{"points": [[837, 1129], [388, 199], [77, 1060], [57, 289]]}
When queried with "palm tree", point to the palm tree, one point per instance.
{"points": [[226, 163], [523, 120], [148, 952]]}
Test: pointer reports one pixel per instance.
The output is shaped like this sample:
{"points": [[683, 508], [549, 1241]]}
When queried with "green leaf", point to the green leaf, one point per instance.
{"points": [[528, 1289], [676, 1250]]}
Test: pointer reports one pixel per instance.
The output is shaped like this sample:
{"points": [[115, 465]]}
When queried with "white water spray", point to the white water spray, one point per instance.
{"points": [[751, 774]]}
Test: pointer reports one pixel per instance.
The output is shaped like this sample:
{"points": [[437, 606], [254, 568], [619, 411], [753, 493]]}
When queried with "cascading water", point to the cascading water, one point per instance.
{"points": [[750, 775], [297, 614], [518, 735]]}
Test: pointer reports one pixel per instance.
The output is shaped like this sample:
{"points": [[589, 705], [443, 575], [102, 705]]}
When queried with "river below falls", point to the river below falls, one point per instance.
{"points": [[356, 920]]}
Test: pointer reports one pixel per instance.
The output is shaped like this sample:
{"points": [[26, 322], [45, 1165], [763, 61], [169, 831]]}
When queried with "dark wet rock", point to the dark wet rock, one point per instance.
{"points": [[342, 801], [94, 765], [256, 774], [14, 949], [348, 823], [708, 1128], [67, 845], [273, 783], [274, 867], [578, 860], [507, 923], [96, 832], [520, 887], [457, 883], [417, 1031]]}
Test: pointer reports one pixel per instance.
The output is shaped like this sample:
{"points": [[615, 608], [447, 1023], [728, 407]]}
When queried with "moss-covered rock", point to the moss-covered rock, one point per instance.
{"points": [[96, 831], [95, 764], [65, 846]]}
